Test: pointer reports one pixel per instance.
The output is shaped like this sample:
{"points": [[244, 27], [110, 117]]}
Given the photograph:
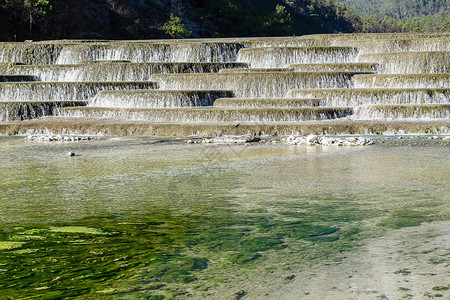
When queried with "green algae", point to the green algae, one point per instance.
{"points": [[76, 229], [7, 245], [151, 251], [170, 227], [405, 218]]}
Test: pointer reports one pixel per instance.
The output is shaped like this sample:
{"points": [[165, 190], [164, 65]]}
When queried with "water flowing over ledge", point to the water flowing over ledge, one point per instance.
{"points": [[38, 91], [410, 62], [284, 56], [402, 112], [355, 97], [157, 98], [217, 82], [112, 71], [25, 110], [192, 115], [263, 84], [151, 52], [403, 81]]}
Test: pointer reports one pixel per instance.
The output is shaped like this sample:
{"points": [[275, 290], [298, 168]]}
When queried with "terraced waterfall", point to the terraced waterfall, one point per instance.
{"points": [[89, 211], [322, 84]]}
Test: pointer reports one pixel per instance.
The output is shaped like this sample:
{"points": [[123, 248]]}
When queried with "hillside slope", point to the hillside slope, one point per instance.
{"points": [[398, 9], [142, 19]]}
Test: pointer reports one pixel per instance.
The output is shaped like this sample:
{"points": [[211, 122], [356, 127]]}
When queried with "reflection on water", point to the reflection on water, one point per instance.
{"points": [[147, 218]]}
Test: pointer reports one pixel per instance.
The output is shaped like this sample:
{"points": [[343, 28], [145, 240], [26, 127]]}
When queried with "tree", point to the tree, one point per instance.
{"points": [[278, 23], [36, 8], [175, 28]]}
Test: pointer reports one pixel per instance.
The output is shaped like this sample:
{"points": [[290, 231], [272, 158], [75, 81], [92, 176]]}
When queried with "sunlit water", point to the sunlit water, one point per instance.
{"points": [[140, 217]]}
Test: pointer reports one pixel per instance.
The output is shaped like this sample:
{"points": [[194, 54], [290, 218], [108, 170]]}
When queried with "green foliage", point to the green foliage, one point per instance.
{"points": [[38, 7], [397, 9], [404, 218], [278, 23], [435, 23], [133, 29], [401, 15], [277, 17], [175, 28], [22, 12], [440, 288], [52, 19]]}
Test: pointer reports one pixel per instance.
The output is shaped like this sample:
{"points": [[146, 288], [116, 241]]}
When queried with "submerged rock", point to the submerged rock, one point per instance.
{"points": [[232, 139], [312, 140], [57, 138]]}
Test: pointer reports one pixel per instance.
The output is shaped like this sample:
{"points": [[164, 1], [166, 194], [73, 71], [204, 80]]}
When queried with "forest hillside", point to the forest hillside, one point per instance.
{"points": [[146, 19]]}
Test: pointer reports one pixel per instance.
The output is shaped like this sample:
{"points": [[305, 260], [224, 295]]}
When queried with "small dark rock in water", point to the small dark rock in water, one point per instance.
{"points": [[290, 277], [240, 294], [71, 153]]}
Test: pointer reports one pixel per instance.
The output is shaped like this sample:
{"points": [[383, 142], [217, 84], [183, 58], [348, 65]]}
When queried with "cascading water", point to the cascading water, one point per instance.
{"points": [[25, 110], [284, 56], [29, 53], [38, 91], [269, 102], [188, 115], [401, 45], [281, 42], [385, 42], [108, 71], [256, 70], [403, 81], [402, 112], [355, 97], [264, 84], [156, 98], [338, 67], [410, 62], [151, 52], [309, 78]]}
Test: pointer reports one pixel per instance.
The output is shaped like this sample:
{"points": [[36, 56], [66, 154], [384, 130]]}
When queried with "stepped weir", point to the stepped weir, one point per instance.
{"points": [[322, 84]]}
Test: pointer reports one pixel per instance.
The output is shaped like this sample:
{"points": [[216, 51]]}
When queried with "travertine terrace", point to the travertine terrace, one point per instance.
{"points": [[321, 84]]}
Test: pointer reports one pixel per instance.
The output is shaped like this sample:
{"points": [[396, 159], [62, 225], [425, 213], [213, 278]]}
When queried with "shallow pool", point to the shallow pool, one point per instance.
{"points": [[154, 219]]}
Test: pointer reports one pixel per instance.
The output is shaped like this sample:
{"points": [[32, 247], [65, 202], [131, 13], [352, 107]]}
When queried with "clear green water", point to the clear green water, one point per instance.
{"points": [[150, 219]]}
